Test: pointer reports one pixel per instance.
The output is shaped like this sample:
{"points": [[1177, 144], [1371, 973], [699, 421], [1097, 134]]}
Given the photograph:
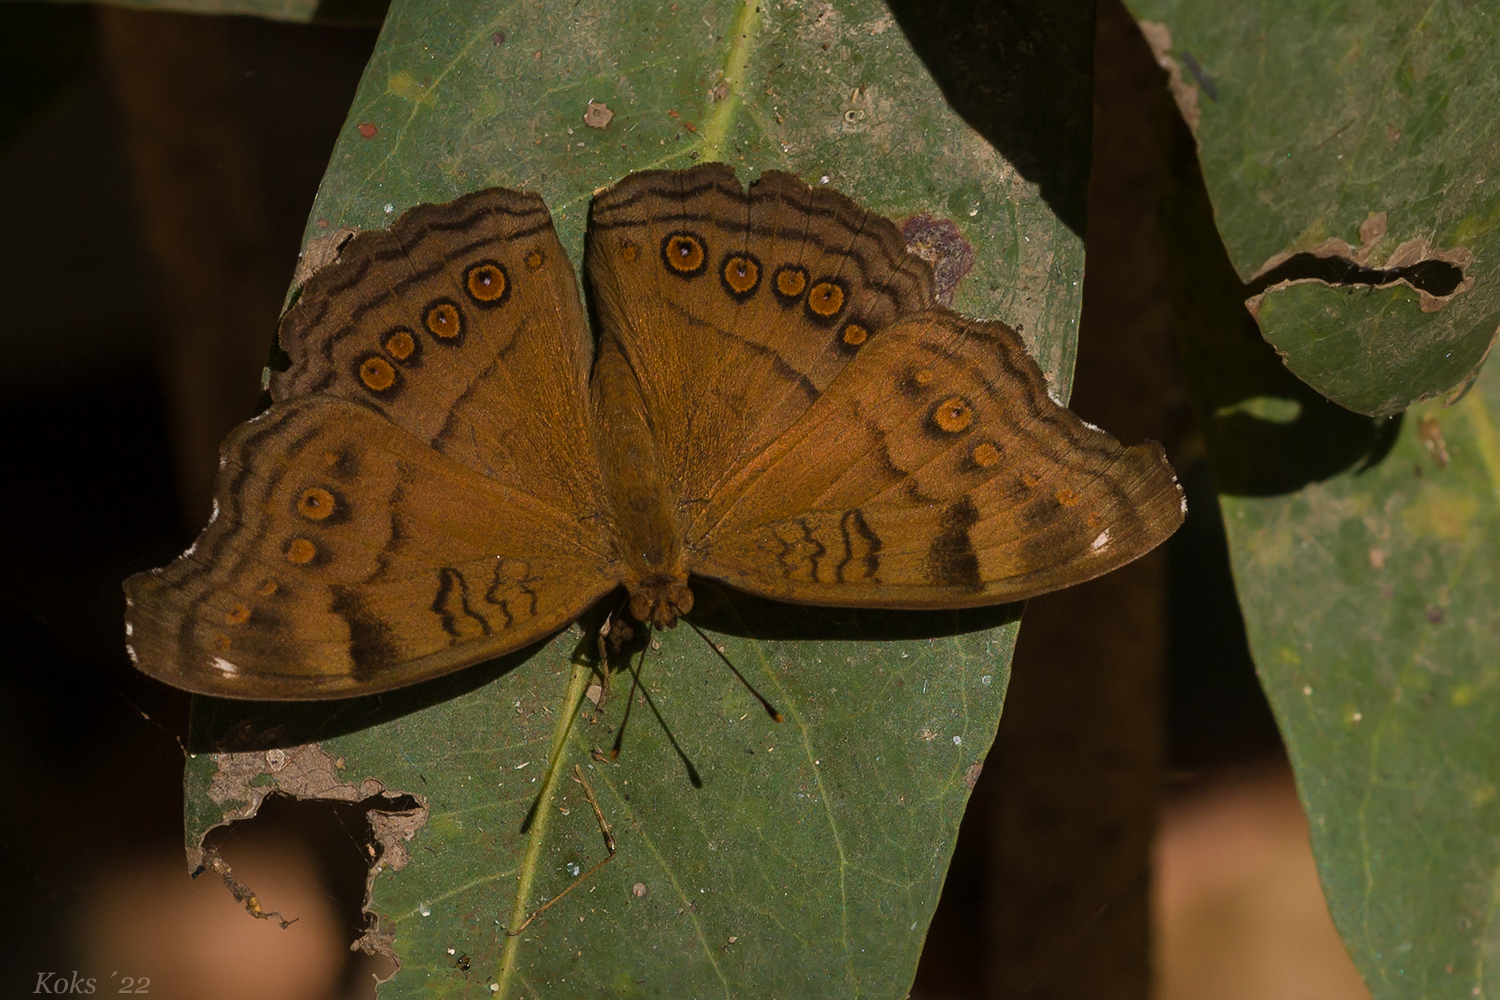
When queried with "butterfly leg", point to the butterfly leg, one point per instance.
{"points": [[609, 845]]}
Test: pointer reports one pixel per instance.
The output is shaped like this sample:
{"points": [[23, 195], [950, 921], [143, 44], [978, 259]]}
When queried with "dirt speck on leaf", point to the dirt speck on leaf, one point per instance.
{"points": [[597, 115]]}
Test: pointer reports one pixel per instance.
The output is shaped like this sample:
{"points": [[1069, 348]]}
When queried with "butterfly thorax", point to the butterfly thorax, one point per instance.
{"points": [[648, 537]]}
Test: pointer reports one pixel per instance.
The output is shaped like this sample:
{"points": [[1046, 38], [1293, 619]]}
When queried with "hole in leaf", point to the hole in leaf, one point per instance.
{"points": [[1435, 277], [335, 842]]}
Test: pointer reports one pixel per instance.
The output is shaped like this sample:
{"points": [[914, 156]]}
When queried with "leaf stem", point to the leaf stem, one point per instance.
{"points": [[720, 114], [572, 700]]}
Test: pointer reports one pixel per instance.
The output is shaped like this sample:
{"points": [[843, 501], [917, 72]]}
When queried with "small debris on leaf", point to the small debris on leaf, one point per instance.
{"points": [[597, 115], [1431, 436]]}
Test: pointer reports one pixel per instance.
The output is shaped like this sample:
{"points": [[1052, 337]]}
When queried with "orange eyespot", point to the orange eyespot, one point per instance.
{"points": [[684, 255], [628, 250], [300, 551], [444, 321], [854, 335], [400, 344], [237, 615], [377, 374], [268, 589], [741, 275], [985, 455], [790, 282], [1067, 497], [826, 300], [953, 415], [487, 283], [316, 504], [535, 259]]}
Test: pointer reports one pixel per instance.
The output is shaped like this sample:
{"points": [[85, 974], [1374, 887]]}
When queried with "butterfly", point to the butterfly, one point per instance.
{"points": [[455, 467]]}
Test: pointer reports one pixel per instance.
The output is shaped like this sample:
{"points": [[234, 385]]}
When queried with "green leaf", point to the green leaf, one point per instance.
{"points": [[1347, 146], [1372, 603], [811, 859]]}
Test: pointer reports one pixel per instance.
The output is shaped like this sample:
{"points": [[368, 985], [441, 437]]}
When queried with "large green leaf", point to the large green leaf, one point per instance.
{"points": [[1356, 137], [1372, 603], [811, 859]]}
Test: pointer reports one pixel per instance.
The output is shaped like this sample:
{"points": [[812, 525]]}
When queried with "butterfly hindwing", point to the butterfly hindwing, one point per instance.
{"points": [[936, 471], [345, 558]]}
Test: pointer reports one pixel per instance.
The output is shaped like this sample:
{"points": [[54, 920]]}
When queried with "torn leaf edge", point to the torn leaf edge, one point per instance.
{"points": [[307, 772]]}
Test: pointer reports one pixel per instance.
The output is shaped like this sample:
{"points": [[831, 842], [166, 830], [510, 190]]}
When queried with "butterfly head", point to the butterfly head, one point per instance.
{"points": [[659, 599]]}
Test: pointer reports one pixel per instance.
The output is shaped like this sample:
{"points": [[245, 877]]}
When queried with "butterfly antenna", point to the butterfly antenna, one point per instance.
{"points": [[770, 709]]}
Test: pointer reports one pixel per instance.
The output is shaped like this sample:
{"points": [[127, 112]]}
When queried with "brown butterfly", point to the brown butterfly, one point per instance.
{"points": [[454, 467]]}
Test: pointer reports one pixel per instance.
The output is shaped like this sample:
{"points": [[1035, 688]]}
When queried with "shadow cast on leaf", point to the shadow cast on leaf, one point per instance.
{"points": [[223, 725], [731, 612], [1020, 73]]}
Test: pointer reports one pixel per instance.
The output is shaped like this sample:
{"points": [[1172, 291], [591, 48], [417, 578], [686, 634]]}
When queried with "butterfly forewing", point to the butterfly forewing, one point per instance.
{"points": [[425, 493], [737, 309], [462, 324]]}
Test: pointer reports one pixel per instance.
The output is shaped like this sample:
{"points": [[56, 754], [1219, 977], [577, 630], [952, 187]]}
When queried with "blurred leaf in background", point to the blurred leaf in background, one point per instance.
{"points": [[1364, 548]]}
